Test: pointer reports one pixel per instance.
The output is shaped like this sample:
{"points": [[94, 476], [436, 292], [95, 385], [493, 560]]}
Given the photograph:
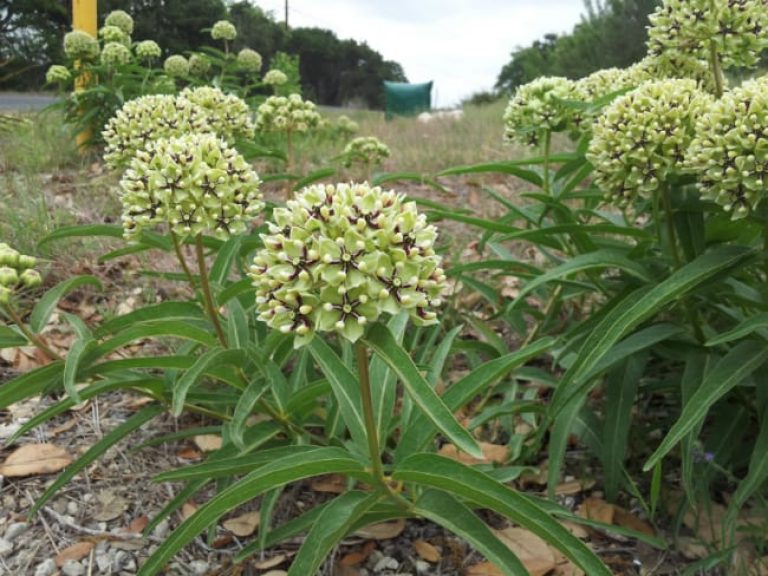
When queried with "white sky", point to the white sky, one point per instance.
{"points": [[459, 44]]}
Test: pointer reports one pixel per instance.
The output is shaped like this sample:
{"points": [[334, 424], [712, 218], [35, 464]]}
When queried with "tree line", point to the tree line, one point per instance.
{"points": [[333, 71]]}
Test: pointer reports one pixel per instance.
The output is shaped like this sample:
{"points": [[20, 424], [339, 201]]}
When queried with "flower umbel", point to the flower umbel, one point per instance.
{"points": [[57, 73], [275, 78], [114, 34], [730, 150], [223, 30], [249, 60], [120, 19], [287, 114], [16, 271], [148, 50], [535, 109], [80, 45], [176, 66], [115, 54], [194, 183], [367, 150], [199, 65], [228, 116], [339, 256]]}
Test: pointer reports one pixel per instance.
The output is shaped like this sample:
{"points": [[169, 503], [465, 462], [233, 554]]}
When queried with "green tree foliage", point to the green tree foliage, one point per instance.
{"points": [[611, 33]]}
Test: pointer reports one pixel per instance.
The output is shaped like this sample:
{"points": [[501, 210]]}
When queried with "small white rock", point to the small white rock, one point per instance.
{"points": [[72, 568], [5, 547], [199, 567], [422, 566], [161, 529], [15, 530], [46, 568], [72, 508], [386, 563]]}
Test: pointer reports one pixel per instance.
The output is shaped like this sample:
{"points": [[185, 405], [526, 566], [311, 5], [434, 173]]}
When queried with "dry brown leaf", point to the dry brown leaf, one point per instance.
{"points": [[208, 442], [427, 551], [594, 508], [576, 529], [223, 541], [243, 525], [382, 531], [358, 556], [275, 573], [270, 562], [483, 569], [342, 570], [573, 487], [68, 425], [332, 483], [32, 459], [109, 506], [626, 519], [187, 509], [533, 552], [137, 525], [491, 453], [76, 552], [189, 453]]}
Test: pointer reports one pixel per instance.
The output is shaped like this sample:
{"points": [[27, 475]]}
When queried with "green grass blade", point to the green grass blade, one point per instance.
{"points": [[332, 525], [470, 484], [45, 306], [133, 423], [276, 473], [380, 339], [740, 362], [451, 513]]}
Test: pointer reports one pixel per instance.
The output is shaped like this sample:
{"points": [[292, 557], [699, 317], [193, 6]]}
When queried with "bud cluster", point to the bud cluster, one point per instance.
{"points": [[195, 183], [367, 150], [120, 19], [115, 54], [338, 256], [114, 34], [223, 30], [79, 45], [536, 108], [57, 73], [287, 114], [730, 151], [642, 136], [249, 60], [227, 115], [148, 50], [199, 65], [275, 78], [176, 66], [16, 271], [346, 126]]}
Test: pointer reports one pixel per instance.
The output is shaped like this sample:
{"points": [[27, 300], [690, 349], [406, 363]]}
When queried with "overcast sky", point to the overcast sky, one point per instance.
{"points": [[459, 44]]}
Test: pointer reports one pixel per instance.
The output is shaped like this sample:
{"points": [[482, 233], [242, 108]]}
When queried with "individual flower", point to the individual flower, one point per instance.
{"points": [[228, 115], [346, 126], [58, 73], [287, 114], [249, 60], [275, 78], [148, 50], [120, 19], [114, 34], [199, 65], [80, 45], [223, 30], [339, 256], [367, 150], [729, 153], [147, 118], [16, 271], [194, 183], [536, 108], [176, 66], [642, 136], [114, 54], [738, 29]]}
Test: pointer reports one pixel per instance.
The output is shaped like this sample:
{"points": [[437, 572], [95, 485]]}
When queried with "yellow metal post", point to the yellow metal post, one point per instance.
{"points": [[84, 17]]}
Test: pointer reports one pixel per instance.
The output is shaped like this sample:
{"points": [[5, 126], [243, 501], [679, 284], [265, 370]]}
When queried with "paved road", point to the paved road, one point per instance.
{"points": [[22, 102]]}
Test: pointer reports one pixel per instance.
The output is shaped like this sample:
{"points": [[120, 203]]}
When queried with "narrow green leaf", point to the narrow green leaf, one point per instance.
{"points": [[10, 338], [30, 384], [169, 310], [45, 306], [244, 409], [380, 339], [72, 365], [740, 362], [175, 328], [384, 381], [210, 359], [745, 328], [133, 423], [238, 330], [314, 177], [88, 230], [462, 480], [224, 259], [272, 475], [332, 525], [512, 168]]}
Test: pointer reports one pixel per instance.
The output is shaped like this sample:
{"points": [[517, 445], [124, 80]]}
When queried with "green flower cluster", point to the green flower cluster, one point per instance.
{"points": [[121, 20], [738, 29], [227, 115], [57, 73], [287, 114], [337, 257], [642, 136], [79, 45], [676, 65], [345, 125], [599, 85], [730, 150], [223, 30], [148, 118], [199, 65], [535, 109], [148, 50], [249, 60], [367, 150], [176, 66], [194, 183], [16, 270], [114, 34], [115, 54], [275, 78]]}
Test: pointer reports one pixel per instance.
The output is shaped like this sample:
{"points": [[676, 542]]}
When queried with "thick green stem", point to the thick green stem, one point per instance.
{"points": [[210, 307], [547, 152], [33, 338], [182, 260], [377, 467]]}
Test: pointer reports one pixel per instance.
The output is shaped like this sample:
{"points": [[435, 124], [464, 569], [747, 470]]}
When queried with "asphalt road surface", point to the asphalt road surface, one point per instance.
{"points": [[23, 102]]}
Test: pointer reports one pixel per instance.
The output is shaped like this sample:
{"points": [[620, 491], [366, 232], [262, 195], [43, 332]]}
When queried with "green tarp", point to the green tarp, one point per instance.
{"points": [[407, 99]]}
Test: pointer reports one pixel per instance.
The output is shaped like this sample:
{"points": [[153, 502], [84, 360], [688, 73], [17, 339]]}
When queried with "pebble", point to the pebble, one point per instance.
{"points": [[46, 568], [161, 529], [5, 547], [15, 530], [199, 567], [72, 508], [386, 563], [72, 568], [422, 566]]}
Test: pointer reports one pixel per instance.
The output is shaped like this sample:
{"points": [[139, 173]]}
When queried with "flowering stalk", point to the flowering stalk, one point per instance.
{"points": [[377, 468], [33, 338], [210, 307], [547, 149], [182, 260]]}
